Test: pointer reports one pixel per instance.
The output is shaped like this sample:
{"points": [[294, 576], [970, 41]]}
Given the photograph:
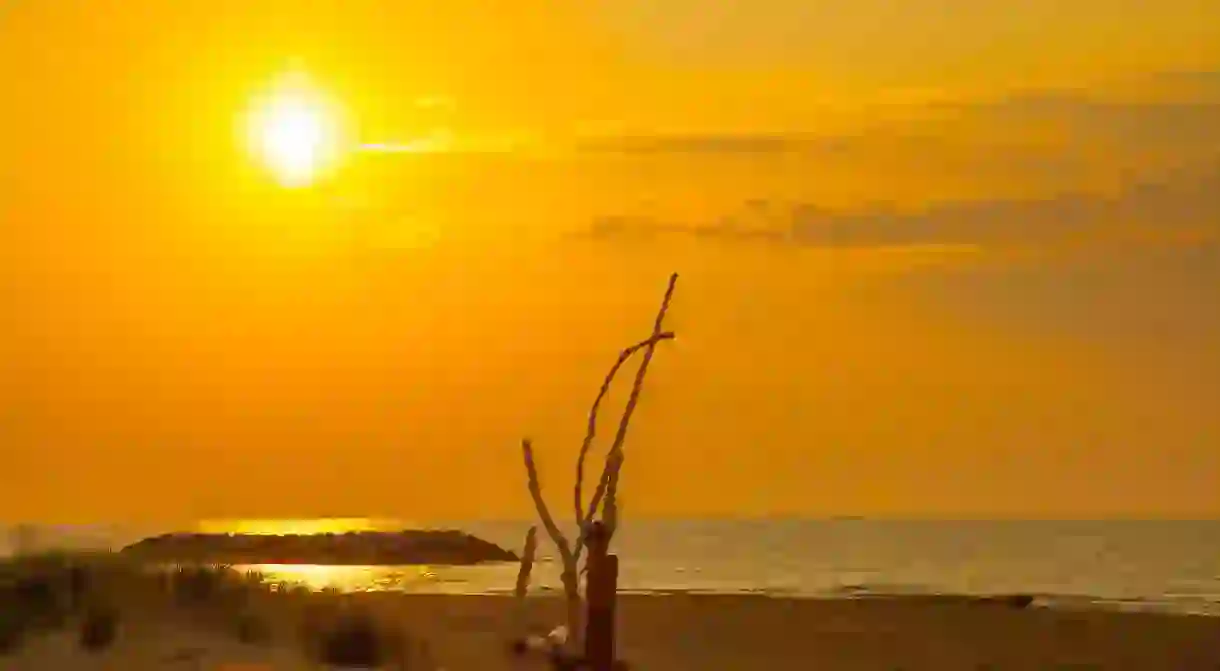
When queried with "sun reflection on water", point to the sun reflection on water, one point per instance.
{"points": [[357, 578], [343, 578], [425, 579]]}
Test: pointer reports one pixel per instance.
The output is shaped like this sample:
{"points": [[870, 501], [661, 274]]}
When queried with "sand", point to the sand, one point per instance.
{"points": [[709, 633], [712, 633]]}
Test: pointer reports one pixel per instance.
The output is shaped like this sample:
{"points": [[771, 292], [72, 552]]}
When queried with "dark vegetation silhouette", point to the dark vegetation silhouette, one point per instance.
{"points": [[99, 628], [93, 596], [366, 548], [353, 640]]}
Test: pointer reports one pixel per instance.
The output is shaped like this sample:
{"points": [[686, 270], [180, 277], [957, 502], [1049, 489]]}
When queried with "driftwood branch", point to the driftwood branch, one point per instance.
{"points": [[544, 514], [523, 579], [608, 485], [527, 562], [591, 430], [606, 493]]}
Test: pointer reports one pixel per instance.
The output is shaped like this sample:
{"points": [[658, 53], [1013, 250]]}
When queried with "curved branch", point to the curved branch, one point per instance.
{"points": [[565, 552], [591, 430], [608, 486]]}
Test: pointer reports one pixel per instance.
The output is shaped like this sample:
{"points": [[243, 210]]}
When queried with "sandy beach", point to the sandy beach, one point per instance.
{"points": [[707, 633]]}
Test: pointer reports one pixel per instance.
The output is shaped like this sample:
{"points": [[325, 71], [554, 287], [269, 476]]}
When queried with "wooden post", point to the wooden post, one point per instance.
{"points": [[602, 587]]}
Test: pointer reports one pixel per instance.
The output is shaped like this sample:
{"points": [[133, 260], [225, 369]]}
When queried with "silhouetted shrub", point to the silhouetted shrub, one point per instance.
{"points": [[252, 629], [195, 585], [79, 583], [36, 598], [98, 628], [352, 639], [12, 627]]}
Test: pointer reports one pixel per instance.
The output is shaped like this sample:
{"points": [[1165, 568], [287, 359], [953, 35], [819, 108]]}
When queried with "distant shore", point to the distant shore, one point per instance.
{"points": [[363, 548], [1128, 565]]}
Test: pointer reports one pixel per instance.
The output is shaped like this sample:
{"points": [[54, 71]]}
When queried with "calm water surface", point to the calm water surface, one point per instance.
{"points": [[1173, 565]]}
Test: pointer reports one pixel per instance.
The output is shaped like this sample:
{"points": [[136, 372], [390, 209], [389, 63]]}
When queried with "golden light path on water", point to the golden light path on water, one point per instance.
{"points": [[356, 578]]}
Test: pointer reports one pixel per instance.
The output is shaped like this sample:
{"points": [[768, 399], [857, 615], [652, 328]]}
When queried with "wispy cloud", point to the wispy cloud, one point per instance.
{"points": [[1172, 112], [423, 145], [1177, 123], [435, 102], [1157, 144], [445, 141], [1180, 209], [740, 143]]}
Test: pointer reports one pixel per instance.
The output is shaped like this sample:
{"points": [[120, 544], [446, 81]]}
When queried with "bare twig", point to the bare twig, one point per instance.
{"points": [[544, 514], [591, 430], [527, 562], [523, 579], [608, 486]]}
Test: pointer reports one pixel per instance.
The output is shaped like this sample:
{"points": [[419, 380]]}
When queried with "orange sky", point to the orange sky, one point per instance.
{"points": [[182, 338]]}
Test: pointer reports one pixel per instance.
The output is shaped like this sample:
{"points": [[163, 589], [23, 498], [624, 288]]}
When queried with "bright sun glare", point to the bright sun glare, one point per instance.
{"points": [[293, 132]]}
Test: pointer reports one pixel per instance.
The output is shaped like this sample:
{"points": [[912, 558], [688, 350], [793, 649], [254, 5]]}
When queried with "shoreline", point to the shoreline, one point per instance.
{"points": [[1179, 605], [1063, 603]]}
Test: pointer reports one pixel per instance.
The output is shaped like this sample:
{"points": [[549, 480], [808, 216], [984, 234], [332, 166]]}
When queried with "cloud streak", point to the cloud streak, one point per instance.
{"points": [[731, 143], [1180, 209], [1167, 112]]}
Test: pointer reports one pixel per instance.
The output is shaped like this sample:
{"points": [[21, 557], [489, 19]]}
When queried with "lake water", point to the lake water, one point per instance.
{"points": [[1169, 565]]}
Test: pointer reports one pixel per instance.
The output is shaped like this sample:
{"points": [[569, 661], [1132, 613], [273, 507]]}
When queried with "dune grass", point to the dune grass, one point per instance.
{"points": [[99, 596]]}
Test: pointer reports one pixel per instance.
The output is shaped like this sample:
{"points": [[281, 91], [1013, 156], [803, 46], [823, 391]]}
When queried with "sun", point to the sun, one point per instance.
{"points": [[293, 132], [292, 140]]}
